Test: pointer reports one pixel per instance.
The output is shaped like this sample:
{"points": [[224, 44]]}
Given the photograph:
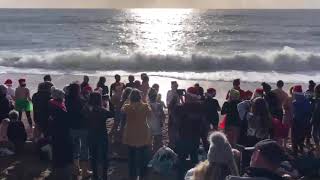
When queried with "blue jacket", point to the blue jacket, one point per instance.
{"points": [[301, 110]]}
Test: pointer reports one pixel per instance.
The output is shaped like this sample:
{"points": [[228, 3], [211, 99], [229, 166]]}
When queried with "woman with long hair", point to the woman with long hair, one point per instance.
{"points": [[220, 163], [137, 135], [79, 129], [97, 116], [259, 122]]}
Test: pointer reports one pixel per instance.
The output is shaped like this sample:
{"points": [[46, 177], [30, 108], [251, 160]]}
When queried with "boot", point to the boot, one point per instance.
{"points": [[85, 173]]}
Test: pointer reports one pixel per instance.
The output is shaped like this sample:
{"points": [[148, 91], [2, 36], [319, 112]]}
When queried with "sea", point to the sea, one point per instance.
{"points": [[213, 45]]}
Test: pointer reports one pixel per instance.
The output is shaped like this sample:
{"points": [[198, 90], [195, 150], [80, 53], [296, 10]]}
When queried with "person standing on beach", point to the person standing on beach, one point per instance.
{"points": [[301, 114], [236, 86], [173, 99], [102, 87], [41, 111], [212, 108], [48, 81], [97, 116], [131, 81], [156, 120], [79, 130], [144, 86], [191, 124], [281, 94], [5, 105], [310, 95], [273, 101], [10, 90], [85, 82], [315, 120], [23, 101], [229, 108], [61, 141], [137, 135], [116, 89]]}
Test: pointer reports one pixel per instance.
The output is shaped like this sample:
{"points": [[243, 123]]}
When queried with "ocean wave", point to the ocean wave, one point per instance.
{"points": [[284, 60]]}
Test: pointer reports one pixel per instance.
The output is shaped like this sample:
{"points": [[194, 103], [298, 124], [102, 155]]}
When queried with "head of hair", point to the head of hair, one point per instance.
{"points": [[13, 115], [131, 78], [101, 81], [266, 87], [260, 110], [117, 77], [312, 84], [125, 94], [47, 77], [152, 95], [236, 82], [95, 99], [156, 86], [85, 78], [145, 78], [74, 90], [280, 84], [135, 96]]}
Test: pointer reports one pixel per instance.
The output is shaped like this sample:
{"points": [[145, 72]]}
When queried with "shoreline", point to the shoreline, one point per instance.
{"points": [[60, 80]]}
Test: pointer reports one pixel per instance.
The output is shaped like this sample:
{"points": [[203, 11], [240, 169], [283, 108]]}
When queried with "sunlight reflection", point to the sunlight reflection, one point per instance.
{"points": [[159, 31]]}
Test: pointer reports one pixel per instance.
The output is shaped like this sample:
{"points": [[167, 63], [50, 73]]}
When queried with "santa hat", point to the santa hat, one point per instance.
{"points": [[8, 82], [258, 93], [192, 90], [297, 90], [211, 92]]}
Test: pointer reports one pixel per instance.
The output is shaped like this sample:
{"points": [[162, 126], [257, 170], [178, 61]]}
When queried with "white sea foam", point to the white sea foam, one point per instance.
{"points": [[285, 60], [287, 64]]}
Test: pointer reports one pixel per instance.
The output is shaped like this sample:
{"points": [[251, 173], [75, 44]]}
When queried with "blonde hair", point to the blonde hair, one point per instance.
{"points": [[214, 171], [220, 161]]}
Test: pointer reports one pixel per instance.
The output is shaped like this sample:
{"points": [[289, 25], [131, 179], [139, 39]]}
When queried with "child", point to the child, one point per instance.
{"points": [[10, 90], [212, 107], [23, 101], [16, 132]]}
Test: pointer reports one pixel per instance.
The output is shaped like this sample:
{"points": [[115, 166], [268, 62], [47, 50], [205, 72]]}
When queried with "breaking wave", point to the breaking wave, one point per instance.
{"points": [[284, 60]]}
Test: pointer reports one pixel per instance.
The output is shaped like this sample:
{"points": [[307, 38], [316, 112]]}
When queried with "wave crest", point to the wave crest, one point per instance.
{"points": [[285, 60]]}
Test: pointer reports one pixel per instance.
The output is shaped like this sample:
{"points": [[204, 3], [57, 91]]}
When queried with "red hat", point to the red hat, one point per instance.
{"points": [[258, 91], [297, 89], [192, 90], [8, 82], [211, 91]]}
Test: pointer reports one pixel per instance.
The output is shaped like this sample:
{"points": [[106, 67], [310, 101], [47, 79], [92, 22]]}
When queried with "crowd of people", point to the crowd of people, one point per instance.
{"points": [[72, 123]]}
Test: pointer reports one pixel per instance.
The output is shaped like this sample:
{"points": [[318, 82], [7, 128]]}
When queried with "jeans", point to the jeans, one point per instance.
{"points": [[184, 148], [138, 161], [98, 146], [316, 133], [80, 147]]}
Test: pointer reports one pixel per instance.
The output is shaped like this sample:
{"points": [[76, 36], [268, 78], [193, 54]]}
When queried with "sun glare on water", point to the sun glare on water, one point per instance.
{"points": [[159, 31]]}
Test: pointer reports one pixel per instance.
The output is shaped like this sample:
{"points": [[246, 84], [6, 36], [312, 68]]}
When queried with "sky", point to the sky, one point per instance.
{"points": [[206, 4]]}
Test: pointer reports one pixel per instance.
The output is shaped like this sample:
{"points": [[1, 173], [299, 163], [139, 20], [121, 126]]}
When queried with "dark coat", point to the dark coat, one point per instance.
{"points": [[40, 102], [5, 108], [61, 139], [231, 111]]}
